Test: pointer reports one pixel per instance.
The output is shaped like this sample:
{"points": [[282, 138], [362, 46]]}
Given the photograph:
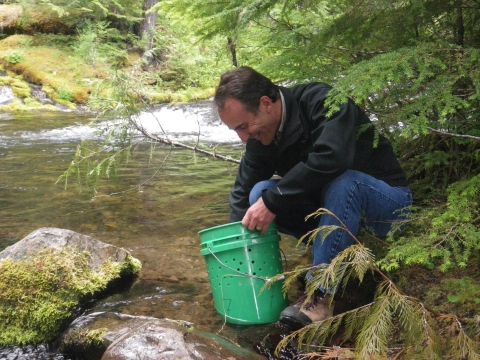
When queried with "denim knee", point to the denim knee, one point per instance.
{"points": [[256, 192]]}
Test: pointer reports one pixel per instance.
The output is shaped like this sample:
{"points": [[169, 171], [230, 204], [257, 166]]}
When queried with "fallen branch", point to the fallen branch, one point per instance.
{"points": [[446, 133], [196, 149]]}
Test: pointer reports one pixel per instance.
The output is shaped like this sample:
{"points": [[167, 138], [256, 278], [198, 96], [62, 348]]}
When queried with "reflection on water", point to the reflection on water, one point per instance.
{"points": [[157, 222]]}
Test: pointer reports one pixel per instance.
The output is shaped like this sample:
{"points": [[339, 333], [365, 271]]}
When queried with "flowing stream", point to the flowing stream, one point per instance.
{"points": [[157, 219]]}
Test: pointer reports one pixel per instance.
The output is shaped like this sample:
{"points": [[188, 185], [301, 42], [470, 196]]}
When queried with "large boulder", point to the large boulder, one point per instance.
{"points": [[60, 239], [46, 276], [9, 14], [40, 18]]}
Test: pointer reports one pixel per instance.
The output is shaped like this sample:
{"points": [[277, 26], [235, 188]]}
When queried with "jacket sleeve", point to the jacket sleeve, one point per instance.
{"points": [[257, 164], [333, 150]]}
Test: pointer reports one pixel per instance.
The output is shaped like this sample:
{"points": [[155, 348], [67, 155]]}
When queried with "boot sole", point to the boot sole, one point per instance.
{"points": [[294, 318]]}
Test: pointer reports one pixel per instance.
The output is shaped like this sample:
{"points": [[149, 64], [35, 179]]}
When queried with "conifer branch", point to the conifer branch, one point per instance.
{"points": [[446, 133], [373, 323]]}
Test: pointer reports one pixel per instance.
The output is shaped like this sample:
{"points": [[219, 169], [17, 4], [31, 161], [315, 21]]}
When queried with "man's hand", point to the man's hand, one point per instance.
{"points": [[258, 217]]}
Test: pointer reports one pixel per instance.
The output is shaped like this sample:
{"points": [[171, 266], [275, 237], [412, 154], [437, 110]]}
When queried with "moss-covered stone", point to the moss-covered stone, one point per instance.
{"points": [[20, 88], [42, 18], [9, 14], [29, 104], [84, 343], [39, 294], [179, 96], [60, 73]]}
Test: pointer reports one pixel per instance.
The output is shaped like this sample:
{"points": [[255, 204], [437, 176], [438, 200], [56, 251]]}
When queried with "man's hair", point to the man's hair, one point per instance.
{"points": [[247, 86]]}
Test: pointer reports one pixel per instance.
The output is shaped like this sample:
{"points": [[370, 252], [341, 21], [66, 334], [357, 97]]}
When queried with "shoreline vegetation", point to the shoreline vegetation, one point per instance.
{"points": [[66, 80], [73, 60]]}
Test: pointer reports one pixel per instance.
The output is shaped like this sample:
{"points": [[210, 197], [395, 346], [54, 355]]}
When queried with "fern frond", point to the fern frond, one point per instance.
{"points": [[462, 346], [322, 232], [360, 260], [354, 321], [315, 333], [289, 277], [374, 334]]}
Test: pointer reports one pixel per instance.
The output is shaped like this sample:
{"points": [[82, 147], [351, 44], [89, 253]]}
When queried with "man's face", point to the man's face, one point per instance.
{"points": [[261, 126]]}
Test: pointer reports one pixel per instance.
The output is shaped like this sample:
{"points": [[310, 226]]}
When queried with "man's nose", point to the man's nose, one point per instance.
{"points": [[242, 134]]}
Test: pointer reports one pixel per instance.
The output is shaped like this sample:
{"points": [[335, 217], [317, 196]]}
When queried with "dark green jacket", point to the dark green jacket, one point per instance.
{"points": [[313, 150]]}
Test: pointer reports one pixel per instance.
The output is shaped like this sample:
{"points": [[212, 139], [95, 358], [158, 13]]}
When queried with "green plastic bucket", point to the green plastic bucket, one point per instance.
{"points": [[239, 263]]}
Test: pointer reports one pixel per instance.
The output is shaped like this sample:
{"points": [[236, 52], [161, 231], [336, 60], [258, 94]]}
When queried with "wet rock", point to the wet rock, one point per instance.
{"points": [[41, 352], [6, 95], [124, 337], [41, 96], [60, 238], [62, 107]]}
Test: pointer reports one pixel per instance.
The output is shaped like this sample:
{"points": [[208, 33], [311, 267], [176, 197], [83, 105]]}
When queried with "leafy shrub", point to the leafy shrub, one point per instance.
{"points": [[65, 94], [95, 45], [14, 57]]}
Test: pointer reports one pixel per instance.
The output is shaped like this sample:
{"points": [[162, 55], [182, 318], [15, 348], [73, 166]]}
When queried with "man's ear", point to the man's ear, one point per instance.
{"points": [[266, 103]]}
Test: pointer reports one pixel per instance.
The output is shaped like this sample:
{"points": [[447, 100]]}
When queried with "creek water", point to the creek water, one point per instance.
{"points": [[156, 220]]}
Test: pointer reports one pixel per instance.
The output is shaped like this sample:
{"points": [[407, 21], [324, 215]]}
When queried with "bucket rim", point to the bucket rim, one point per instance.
{"points": [[271, 226], [219, 227], [226, 245]]}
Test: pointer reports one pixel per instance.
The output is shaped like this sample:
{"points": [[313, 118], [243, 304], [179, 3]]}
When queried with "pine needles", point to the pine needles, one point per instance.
{"points": [[393, 318]]}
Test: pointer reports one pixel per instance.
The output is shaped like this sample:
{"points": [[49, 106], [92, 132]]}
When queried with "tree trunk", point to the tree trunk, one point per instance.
{"points": [[147, 27], [460, 25], [233, 51]]}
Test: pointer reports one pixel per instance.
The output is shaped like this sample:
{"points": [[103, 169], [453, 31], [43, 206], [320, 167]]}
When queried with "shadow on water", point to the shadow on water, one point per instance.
{"points": [[157, 222]]}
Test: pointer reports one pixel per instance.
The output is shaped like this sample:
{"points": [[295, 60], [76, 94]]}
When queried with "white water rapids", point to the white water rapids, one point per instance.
{"points": [[182, 123]]}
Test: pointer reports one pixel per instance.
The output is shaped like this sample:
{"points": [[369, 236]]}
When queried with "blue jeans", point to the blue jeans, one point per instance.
{"points": [[356, 199]]}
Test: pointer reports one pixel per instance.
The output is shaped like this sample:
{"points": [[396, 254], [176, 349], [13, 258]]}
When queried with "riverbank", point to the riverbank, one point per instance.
{"points": [[57, 66]]}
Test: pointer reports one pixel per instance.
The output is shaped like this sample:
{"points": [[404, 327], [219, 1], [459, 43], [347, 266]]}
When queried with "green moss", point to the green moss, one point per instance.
{"points": [[60, 70], [84, 343], [39, 295], [29, 104], [20, 88], [178, 96], [15, 105], [62, 98], [458, 296], [7, 80], [4, 80], [69, 80]]}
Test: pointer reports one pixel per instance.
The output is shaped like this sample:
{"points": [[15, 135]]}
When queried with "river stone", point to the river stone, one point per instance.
{"points": [[6, 94], [60, 238], [127, 337]]}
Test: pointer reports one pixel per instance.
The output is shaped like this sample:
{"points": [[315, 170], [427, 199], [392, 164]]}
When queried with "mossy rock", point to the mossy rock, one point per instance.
{"points": [[39, 18], [47, 275], [109, 335], [9, 14], [61, 74], [28, 104]]}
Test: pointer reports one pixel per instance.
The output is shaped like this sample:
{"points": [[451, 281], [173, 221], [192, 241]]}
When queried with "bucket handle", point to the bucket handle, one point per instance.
{"points": [[266, 279]]}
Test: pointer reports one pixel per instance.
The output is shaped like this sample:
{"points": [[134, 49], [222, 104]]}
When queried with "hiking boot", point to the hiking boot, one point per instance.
{"points": [[299, 314], [302, 279]]}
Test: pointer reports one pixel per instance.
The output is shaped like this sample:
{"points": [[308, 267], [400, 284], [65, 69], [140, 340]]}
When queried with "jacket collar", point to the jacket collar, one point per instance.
{"points": [[293, 128]]}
